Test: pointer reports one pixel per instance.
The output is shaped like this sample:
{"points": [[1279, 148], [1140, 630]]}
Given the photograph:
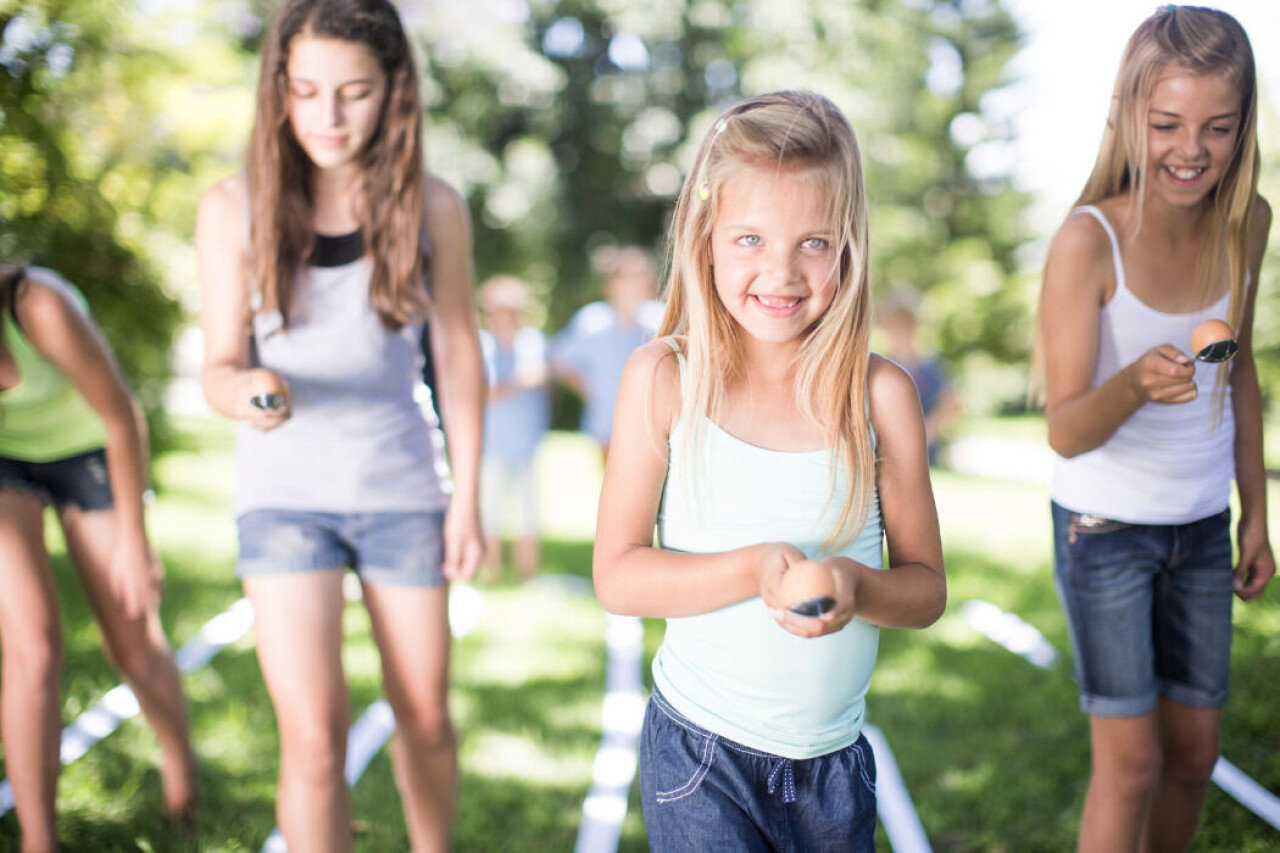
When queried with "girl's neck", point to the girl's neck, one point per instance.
{"points": [[1177, 223], [334, 198]]}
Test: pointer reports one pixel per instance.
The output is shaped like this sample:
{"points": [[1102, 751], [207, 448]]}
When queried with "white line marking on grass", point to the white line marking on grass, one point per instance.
{"points": [[378, 722], [893, 803], [119, 703], [1024, 640], [622, 716]]}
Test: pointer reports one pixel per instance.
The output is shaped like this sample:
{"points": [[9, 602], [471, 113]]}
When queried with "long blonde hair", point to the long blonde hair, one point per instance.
{"points": [[1200, 41], [279, 170], [793, 131]]}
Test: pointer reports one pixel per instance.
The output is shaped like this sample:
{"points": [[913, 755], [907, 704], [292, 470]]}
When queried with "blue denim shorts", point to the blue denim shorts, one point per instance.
{"points": [[703, 792], [79, 481], [1148, 608], [392, 548]]}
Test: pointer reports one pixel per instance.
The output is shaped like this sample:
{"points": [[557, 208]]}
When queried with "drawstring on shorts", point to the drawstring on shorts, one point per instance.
{"points": [[784, 769]]}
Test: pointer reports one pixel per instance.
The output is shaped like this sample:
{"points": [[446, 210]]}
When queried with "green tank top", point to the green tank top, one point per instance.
{"points": [[43, 418]]}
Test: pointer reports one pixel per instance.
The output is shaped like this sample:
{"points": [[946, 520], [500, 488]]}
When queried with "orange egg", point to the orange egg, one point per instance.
{"points": [[268, 389], [1210, 332], [808, 588]]}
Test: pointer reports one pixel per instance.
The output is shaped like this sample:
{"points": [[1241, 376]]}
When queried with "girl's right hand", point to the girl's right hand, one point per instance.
{"points": [[258, 386], [1165, 374], [771, 561]]}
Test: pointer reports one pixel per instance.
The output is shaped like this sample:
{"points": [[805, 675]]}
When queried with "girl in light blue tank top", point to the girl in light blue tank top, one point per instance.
{"points": [[314, 294], [769, 449], [1150, 429]]}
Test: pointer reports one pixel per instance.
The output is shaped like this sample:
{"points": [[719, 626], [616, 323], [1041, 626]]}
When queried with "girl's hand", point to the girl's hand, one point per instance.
{"points": [[262, 400], [1165, 374], [770, 561], [1257, 564], [137, 576], [846, 574], [463, 543]]}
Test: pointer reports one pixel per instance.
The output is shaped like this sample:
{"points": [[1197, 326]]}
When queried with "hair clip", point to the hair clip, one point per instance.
{"points": [[721, 123], [1168, 8], [704, 190]]}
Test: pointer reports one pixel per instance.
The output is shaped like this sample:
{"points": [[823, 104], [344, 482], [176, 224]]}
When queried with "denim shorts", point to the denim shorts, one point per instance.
{"points": [[1148, 608], [392, 548], [79, 481], [703, 792]]}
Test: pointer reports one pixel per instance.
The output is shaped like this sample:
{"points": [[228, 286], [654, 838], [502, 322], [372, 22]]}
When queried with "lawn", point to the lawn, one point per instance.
{"points": [[992, 749]]}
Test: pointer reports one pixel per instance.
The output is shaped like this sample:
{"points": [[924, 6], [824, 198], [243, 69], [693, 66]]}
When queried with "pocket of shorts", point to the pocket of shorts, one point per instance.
{"points": [[703, 749], [1086, 524]]}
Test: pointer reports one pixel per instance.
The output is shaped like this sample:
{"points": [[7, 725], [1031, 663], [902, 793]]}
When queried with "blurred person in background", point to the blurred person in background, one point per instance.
{"points": [[899, 319]]}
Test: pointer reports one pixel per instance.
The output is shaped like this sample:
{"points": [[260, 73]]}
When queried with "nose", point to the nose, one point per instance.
{"points": [[1191, 144], [333, 110], [780, 265]]}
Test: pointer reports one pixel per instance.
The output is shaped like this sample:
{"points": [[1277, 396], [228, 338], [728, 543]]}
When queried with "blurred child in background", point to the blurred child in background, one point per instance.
{"points": [[517, 416], [938, 400]]}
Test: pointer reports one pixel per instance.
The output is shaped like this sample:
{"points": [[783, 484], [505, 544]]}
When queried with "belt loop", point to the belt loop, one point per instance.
{"points": [[783, 769]]}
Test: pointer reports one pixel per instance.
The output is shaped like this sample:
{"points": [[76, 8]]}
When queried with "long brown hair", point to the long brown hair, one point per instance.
{"points": [[279, 171], [802, 133]]}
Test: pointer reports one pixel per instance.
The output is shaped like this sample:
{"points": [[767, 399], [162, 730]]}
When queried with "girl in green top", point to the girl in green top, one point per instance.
{"points": [[72, 436]]}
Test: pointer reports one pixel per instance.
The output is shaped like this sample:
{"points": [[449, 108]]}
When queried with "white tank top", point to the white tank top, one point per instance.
{"points": [[357, 440], [735, 671], [1166, 464]]}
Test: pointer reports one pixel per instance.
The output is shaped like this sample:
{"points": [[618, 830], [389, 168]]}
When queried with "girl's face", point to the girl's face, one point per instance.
{"points": [[335, 94], [773, 251], [1192, 125]]}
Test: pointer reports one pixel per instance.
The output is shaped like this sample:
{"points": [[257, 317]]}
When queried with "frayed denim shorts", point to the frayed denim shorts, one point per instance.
{"points": [[1148, 608], [703, 792], [392, 548], [78, 481]]}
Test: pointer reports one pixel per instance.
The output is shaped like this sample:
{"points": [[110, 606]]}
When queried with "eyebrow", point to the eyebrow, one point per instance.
{"points": [[364, 80], [1220, 116]]}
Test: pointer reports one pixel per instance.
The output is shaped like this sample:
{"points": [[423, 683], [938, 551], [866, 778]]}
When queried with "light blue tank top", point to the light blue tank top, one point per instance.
{"points": [[357, 440], [734, 671]]}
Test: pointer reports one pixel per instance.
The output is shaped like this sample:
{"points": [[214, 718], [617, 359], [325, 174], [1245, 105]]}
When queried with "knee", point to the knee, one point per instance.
{"points": [[314, 749], [1134, 772], [33, 663], [425, 724], [1191, 764]]}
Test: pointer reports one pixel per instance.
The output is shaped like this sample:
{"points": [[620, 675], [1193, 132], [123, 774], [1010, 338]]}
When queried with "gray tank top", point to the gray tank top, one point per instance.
{"points": [[358, 440]]}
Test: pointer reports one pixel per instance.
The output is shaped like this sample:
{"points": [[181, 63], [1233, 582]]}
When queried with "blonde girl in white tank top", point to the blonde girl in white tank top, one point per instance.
{"points": [[1175, 183]]}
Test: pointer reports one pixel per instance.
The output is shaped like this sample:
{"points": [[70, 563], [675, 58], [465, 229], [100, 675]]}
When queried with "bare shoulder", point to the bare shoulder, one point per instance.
{"points": [[890, 386], [222, 211], [1080, 260], [653, 373], [442, 203], [45, 297]]}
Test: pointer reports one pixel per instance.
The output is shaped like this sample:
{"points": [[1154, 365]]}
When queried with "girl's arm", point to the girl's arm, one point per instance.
{"points": [[1257, 564], [632, 576], [1078, 276], [911, 592], [455, 347], [224, 305], [64, 335]]}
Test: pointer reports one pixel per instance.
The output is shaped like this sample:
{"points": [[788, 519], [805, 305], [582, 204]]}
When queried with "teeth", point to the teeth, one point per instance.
{"points": [[1184, 174], [777, 301]]}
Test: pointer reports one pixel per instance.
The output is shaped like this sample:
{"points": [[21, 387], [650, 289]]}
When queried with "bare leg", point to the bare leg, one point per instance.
{"points": [[411, 627], [299, 627], [139, 649], [1189, 737], [527, 556], [31, 641], [1126, 768]]}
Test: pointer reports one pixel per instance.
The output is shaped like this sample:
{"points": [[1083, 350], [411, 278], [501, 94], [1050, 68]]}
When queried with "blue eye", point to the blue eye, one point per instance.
{"points": [[819, 243], [749, 240]]}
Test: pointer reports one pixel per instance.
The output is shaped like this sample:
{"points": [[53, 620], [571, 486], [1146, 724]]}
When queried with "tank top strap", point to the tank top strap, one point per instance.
{"points": [[671, 341], [1116, 260]]}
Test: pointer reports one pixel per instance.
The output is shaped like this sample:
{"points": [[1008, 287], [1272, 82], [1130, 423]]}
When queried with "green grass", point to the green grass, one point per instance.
{"points": [[993, 750]]}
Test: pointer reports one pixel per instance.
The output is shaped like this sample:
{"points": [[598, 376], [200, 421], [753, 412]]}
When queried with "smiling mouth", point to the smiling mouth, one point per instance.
{"points": [[776, 303], [1185, 173]]}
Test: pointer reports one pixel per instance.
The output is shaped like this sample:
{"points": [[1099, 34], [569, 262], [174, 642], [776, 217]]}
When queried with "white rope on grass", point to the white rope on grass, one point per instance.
{"points": [[1024, 640], [622, 715], [119, 703], [893, 803]]}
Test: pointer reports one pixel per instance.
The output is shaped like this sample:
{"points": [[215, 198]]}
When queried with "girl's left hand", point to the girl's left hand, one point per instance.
{"points": [[845, 572], [1257, 564], [137, 576], [463, 543]]}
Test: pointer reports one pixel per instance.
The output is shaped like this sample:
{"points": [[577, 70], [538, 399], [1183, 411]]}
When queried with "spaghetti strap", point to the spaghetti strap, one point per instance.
{"points": [[1111, 235]]}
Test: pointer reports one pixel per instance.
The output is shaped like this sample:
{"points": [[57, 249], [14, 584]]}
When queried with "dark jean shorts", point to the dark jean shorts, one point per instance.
{"points": [[392, 548], [1148, 608], [703, 792], [79, 481]]}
